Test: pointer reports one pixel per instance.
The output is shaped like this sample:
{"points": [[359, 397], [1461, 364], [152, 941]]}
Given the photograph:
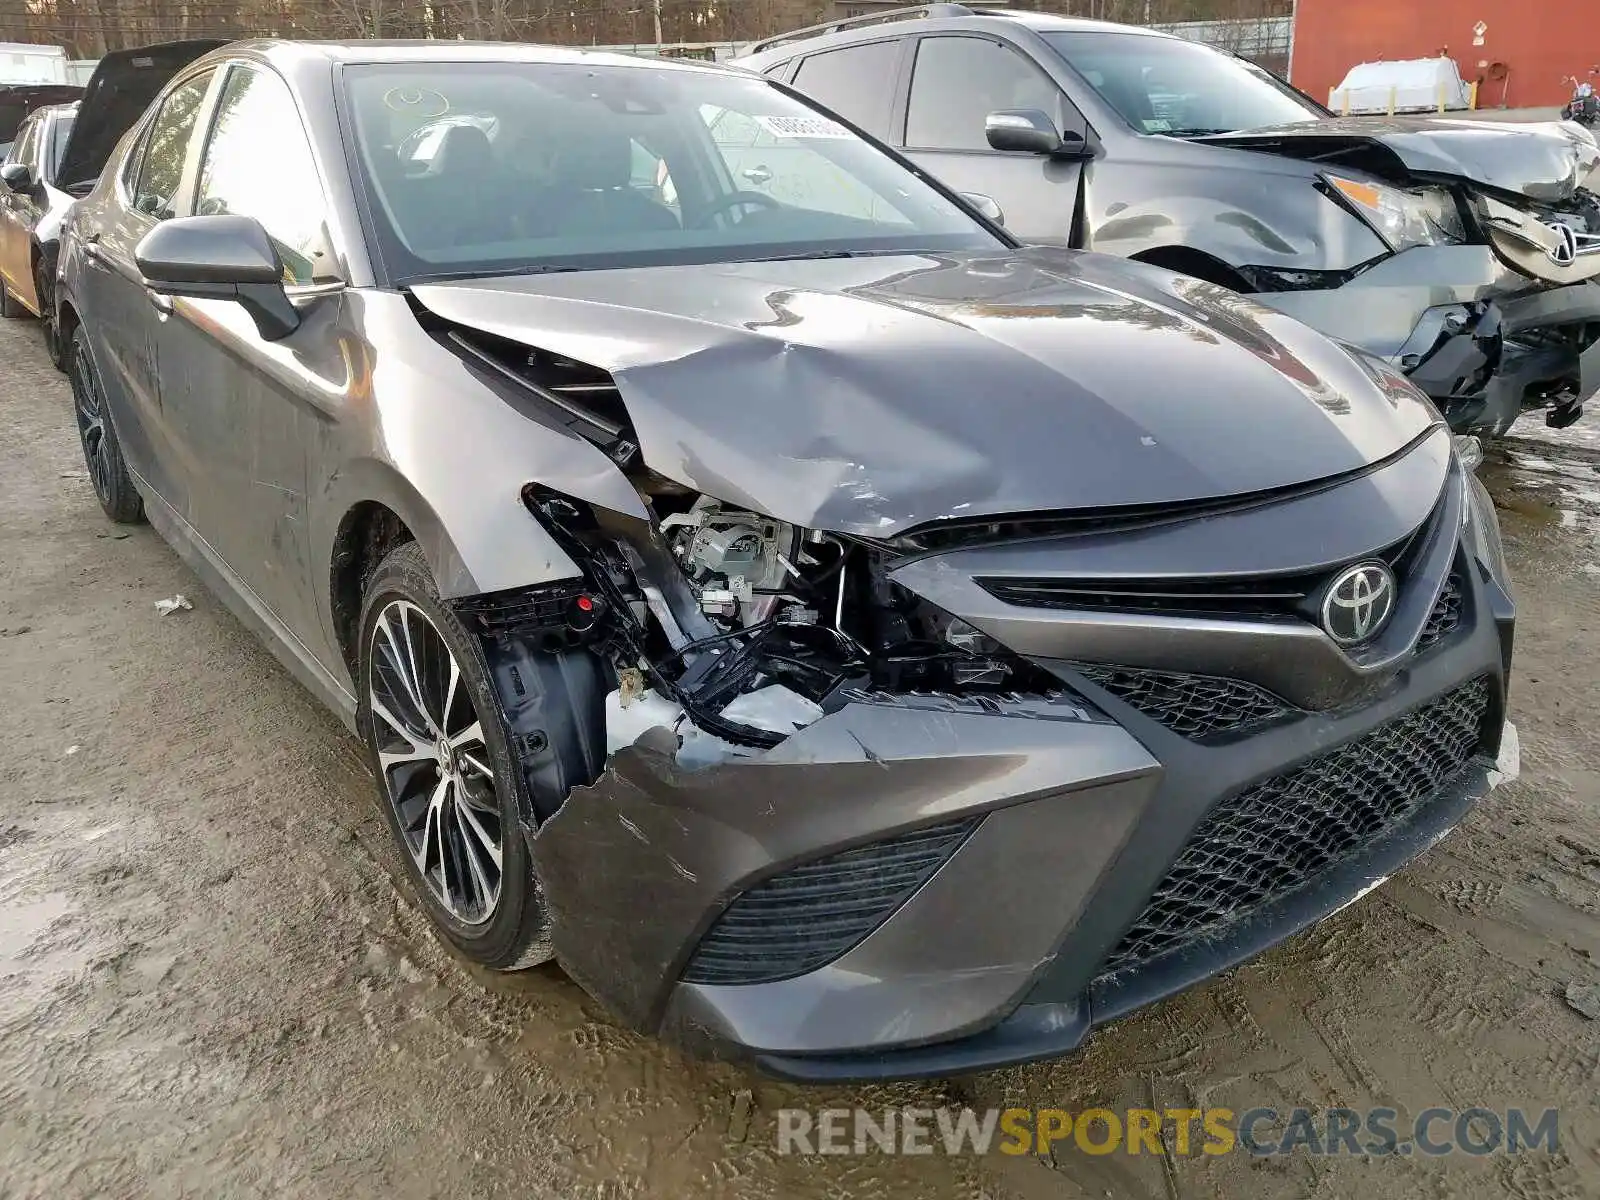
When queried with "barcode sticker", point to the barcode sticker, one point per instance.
{"points": [[804, 127]]}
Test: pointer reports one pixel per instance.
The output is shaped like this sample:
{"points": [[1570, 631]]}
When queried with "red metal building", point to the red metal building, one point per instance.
{"points": [[1518, 52]]}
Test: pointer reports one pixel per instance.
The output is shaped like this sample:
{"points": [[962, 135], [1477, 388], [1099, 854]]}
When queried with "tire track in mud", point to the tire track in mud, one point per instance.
{"points": [[209, 984]]}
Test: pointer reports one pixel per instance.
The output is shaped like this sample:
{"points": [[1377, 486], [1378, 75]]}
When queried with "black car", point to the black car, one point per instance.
{"points": [[57, 156], [837, 634]]}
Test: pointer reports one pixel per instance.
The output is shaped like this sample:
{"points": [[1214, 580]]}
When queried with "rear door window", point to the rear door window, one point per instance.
{"points": [[959, 81], [166, 147], [856, 82]]}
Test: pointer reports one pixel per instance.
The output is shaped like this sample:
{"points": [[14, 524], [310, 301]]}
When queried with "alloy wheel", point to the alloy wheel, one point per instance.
{"points": [[47, 314], [91, 412], [433, 762]]}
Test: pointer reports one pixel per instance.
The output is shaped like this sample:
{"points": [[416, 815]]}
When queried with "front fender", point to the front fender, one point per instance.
{"points": [[426, 436], [1241, 218]]}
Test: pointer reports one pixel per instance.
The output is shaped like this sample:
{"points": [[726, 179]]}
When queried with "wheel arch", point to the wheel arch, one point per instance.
{"points": [[1186, 260], [371, 507]]}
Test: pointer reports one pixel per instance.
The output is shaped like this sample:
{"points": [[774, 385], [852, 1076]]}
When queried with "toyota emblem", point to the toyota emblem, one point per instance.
{"points": [[1359, 603]]}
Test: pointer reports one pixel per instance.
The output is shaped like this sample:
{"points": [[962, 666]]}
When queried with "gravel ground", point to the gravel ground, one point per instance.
{"points": [[209, 985]]}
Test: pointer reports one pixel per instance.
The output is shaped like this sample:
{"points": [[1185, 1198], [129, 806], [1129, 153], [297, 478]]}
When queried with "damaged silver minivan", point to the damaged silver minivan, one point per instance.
{"points": [[838, 635], [1458, 251]]}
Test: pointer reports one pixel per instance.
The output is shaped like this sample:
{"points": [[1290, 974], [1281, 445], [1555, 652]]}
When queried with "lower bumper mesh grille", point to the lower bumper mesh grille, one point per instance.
{"points": [[1282, 833], [811, 914], [1197, 706]]}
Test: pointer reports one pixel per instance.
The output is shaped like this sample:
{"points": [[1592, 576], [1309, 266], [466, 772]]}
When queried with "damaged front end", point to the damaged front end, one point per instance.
{"points": [[1486, 297], [1536, 345], [774, 698]]}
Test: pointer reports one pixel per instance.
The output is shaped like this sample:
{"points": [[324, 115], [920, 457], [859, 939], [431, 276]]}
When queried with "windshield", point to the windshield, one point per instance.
{"points": [[1170, 86], [487, 168]]}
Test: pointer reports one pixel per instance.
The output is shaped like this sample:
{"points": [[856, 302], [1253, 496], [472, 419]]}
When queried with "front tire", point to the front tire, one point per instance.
{"points": [[448, 783], [102, 454], [44, 289]]}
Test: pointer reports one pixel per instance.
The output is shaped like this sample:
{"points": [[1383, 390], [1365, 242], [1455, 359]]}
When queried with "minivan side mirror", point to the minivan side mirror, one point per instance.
{"points": [[222, 257], [17, 176], [1031, 131]]}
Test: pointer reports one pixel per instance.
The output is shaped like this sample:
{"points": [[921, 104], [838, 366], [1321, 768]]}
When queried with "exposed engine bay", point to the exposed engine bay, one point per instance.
{"points": [[735, 629]]}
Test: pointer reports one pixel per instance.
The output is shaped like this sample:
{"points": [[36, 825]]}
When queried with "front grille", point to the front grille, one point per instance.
{"points": [[1196, 706], [1276, 597], [1279, 835], [811, 914], [1445, 618]]}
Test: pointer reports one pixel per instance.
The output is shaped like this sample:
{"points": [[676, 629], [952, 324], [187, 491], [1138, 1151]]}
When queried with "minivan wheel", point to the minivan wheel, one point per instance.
{"points": [[448, 784], [43, 287], [108, 471]]}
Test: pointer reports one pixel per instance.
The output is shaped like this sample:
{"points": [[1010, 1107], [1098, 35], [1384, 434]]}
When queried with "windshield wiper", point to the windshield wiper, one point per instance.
{"points": [[493, 273], [1195, 132]]}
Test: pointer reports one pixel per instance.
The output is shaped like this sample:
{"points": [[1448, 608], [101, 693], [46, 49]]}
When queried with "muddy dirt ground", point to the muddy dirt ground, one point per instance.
{"points": [[209, 985]]}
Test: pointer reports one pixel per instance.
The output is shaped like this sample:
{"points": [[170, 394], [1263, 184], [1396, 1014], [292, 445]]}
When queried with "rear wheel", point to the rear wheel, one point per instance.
{"points": [[44, 289], [449, 786], [108, 471]]}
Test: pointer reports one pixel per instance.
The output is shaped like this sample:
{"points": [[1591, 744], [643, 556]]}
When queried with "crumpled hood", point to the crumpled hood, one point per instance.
{"points": [[1545, 161], [870, 395]]}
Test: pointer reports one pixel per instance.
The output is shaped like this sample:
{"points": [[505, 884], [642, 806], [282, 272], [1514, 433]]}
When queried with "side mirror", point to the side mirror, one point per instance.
{"points": [[986, 206], [1031, 131], [17, 176], [221, 257]]}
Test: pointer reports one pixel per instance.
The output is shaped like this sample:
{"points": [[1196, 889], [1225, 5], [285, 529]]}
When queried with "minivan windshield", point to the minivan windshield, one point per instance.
{"points": [[1169, 86], [477, 168]]}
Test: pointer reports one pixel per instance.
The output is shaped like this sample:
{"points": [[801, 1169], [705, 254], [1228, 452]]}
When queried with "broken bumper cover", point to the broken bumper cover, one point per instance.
{"points": [[1047, 831], [1468, 330]]}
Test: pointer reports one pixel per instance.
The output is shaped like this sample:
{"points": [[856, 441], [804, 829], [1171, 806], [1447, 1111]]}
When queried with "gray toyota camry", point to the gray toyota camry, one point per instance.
{"points": [[842, 638]]}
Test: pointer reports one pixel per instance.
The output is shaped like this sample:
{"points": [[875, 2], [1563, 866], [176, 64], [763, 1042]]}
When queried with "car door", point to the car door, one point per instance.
{"points": [[245, 407], [119, 312], [19, 211], [957, 80]]}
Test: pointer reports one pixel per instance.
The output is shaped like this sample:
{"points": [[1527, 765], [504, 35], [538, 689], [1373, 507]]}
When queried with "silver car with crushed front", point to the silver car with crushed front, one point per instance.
{"points": [[1462, 252]]}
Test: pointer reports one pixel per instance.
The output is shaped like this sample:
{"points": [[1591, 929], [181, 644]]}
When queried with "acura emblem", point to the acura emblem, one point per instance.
{"points": [[1359, 603], [1565, 251]]}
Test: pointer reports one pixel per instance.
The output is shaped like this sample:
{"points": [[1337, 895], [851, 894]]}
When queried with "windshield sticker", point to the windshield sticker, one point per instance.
{"points": [[1156, 125], [805, 127]]}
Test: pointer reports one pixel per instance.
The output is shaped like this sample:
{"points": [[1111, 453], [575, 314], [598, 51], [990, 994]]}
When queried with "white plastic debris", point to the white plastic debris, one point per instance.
{"points": [[173, 605], [774, 709], [626, 722], [72, 749], [1508, 766]]}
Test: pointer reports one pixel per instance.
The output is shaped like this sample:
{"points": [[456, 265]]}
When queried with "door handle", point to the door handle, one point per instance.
{"points": [[757, 175]]}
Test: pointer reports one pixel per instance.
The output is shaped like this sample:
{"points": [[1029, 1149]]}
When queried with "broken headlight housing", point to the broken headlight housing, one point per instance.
{"points": [[751, 626], [1402, 218]]}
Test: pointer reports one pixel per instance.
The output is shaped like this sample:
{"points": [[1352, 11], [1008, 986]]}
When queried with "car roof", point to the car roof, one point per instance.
{"points": [[291, 55], [932, 16]]}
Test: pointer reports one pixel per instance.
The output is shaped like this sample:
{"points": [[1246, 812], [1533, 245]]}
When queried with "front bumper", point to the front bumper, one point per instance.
{"points": [[1018, 840], [1470, 331]]}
